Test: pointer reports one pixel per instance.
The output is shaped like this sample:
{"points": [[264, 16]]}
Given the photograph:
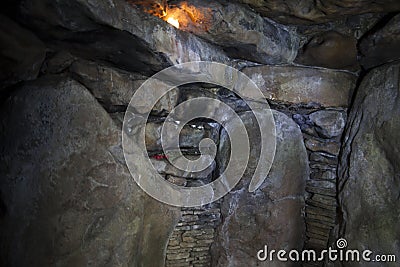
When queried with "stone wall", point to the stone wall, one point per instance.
{"points": [[321, 127], [322, 130], [189, 244], [70, 67], [192, 239]]}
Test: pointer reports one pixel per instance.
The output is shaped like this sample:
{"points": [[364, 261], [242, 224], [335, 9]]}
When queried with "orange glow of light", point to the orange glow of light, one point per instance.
{"points": [[173, 21], [182, 16]]}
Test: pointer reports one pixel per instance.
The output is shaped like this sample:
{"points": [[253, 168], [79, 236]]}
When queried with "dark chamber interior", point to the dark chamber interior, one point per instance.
{"points": [[327, 72]]}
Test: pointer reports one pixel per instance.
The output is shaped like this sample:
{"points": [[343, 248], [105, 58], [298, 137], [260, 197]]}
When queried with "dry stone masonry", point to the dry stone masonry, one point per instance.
{"points": [[190, 243], [322, 130]]}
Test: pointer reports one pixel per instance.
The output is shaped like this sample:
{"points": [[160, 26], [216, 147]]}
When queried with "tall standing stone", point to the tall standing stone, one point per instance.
{"points": [[369, 172], [67, 198], [273, 214]]}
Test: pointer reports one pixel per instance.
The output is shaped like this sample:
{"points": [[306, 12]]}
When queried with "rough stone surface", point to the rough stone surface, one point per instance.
{"points": [[309, 11], [189, 244], [369, 171], [330, 50], [67, 200], [271, 215], [382, 45], [242, 32], [318, 145], [108, 85], [57, 62], [303, 85], [114, 88], [329, 123], [190, 136], [66, 197], [116, 33], [166, 168], [21, 53], [323, 152]]}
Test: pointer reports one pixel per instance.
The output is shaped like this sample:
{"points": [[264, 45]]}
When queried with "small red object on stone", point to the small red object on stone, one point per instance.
{"points": [[159, 156]]}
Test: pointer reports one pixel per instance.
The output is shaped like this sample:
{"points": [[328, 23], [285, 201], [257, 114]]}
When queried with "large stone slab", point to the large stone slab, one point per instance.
{"points": [[108, 85], [292, 84], [67, 199], [369, 171], [309, 11], [242, 32], [272, 215], [114, 88], [117, 33]]}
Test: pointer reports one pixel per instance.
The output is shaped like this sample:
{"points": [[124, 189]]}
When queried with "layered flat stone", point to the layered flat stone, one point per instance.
{"points": [[189, 137], [115, 87], [294, 84]]}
